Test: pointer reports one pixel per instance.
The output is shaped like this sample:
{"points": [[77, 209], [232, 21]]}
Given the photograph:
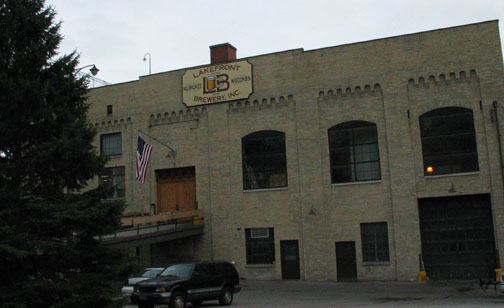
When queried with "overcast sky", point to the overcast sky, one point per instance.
{"points": [[116, 34]]}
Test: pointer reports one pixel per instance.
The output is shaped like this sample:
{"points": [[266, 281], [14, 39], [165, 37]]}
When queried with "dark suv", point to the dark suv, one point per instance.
{"points": [[189, 282]]}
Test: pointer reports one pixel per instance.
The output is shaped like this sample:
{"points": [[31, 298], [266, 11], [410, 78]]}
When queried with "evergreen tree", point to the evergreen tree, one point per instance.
{"points": [[49, 252]]}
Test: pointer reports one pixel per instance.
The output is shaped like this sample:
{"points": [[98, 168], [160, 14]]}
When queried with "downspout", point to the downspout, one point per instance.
{"points": [[500, 158]]}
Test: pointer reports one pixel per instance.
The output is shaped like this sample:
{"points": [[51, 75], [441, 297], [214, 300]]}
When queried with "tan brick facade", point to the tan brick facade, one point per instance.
{"points": [[389, 82]]}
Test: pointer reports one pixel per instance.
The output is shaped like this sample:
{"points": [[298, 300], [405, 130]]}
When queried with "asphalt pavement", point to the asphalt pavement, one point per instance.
{"points": [[301, 294]]}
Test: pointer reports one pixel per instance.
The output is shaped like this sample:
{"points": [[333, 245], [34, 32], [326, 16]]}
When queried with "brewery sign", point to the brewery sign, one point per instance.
{"points": [[217, 83]]}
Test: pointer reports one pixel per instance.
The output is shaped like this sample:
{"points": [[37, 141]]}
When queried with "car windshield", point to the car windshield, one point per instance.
{"points": [[178, 270], [151, 273]]}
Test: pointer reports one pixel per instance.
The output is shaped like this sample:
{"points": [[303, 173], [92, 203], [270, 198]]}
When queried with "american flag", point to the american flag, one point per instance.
{"points": [[144, 151]]}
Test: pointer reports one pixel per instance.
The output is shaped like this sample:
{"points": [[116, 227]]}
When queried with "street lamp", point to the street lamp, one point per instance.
{"points": [[145, 59], [94, 70]]}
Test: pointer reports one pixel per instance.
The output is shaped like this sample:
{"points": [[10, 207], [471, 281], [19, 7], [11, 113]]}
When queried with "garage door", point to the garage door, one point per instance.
{"points": [[457, 237]]}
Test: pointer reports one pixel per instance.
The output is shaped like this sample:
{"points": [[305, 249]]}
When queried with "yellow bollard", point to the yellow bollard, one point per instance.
{"points": [[196, 220], [498, 273], [422, 276]]}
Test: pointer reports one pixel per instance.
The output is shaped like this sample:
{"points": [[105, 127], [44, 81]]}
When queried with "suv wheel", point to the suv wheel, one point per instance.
{"points": [[177, 300], [226, 297]]}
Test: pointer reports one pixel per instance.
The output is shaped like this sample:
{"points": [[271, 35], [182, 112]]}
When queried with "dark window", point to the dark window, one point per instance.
{"points": [[448, 141], [260, 243], [264, 161], [114, 176], [111, 144], [109, 109], [353, 150], [206, 269], [374, 238]]}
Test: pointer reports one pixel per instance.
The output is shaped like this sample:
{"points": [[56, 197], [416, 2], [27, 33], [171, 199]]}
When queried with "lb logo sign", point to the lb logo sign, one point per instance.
{"points": [[217, 83]]}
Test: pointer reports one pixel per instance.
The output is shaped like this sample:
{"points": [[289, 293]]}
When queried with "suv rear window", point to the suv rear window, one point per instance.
{"points": [[178, 270]]}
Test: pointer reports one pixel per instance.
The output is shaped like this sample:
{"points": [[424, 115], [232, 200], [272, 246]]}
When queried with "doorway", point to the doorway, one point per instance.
{"points": [[176, 190], [346, 262], [289, 251], [458, 237]]}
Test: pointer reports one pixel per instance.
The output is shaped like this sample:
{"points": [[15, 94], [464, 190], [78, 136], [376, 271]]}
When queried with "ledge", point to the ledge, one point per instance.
{"points": [[356, 183], [260, 265], [450, 175], [376, 263], [264, 189]]}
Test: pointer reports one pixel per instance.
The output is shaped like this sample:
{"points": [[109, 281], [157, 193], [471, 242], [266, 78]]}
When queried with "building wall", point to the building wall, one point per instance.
{"points": [[389, 82]]}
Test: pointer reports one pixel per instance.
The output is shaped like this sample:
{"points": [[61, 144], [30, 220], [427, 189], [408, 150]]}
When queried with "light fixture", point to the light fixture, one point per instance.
{"points": [[430, 169], [145, 60], [94, 70]]}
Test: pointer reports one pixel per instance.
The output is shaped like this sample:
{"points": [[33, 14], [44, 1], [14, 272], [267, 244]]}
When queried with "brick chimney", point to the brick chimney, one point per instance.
{"points": [[222, 53]]}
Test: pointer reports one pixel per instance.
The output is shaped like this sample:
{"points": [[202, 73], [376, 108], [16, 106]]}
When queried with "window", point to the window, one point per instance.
{"points": [[263, 160], [353, 150], [374, 238], [114, 176], [448, 141], [109, 109], [111, 144], [260, 245]]}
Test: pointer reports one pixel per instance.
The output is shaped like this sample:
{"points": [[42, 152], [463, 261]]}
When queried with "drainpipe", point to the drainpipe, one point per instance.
{"points": [[499, 143], [498, 138]]}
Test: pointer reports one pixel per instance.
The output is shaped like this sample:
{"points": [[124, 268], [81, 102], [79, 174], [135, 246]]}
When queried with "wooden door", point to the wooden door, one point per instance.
{"points": [[176, 191]]}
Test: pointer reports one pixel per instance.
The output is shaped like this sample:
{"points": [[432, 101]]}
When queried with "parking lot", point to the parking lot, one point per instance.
{"points": [[297, 294]]}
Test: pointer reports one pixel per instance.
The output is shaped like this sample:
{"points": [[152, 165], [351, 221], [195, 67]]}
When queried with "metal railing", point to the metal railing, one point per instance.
{"points": [[136, 226], [162, 225]]}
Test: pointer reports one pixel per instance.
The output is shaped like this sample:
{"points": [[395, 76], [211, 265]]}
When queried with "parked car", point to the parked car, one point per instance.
{"points": [[189, 282], [149, 273]]}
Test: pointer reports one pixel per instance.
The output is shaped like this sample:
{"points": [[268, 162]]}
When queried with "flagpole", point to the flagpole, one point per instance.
{"points": [[169, 147]]}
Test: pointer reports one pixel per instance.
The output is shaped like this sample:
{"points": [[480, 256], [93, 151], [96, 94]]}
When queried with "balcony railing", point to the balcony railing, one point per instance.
{"points": [[136, 227]]}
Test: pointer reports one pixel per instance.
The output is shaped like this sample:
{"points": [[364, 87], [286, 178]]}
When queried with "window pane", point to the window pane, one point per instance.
{"points": [[252, 146], [264, 160], [115, 177], [434, 144], [366, 152], [441, 164], [365, 134], [254, 163], [448, 141], [343, 174], [374, 238], [342, 156], [353, 151], [367, 171], [275, 162], [461, 143], [340, 138], [274, 144], [464, 162], [277, 179], [111, 144], [260, 250]]}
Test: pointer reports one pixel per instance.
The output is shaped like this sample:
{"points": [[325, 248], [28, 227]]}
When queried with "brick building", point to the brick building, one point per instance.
{"points": [[340, 163]]}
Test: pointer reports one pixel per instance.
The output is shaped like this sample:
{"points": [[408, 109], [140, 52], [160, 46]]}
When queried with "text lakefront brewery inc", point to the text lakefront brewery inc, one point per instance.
{"points": [[217, 83]]}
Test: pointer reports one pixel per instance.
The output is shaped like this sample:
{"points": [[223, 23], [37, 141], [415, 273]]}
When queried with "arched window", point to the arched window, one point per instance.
{"points": [[353, 151], [263, 160], [448, 141]]}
